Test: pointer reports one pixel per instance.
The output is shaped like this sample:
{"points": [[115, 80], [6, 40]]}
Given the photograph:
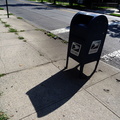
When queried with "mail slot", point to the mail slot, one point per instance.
{"points": [[86, 38]]}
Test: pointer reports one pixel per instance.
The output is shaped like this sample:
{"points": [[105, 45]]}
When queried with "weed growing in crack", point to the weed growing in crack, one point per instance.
{"points": [[20, 37], [7, 25], [3, 116], [1, 75], [19, 18], [12, 30]]}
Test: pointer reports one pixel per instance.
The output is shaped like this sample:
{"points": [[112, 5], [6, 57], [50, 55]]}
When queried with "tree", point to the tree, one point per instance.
{"points": [[54, 2], [71, 2]]}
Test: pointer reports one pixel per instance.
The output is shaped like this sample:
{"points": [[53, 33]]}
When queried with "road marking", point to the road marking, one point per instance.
{"points": [[110, 56], [67, 29], [113, 23], [68, 11], [61, 30]]}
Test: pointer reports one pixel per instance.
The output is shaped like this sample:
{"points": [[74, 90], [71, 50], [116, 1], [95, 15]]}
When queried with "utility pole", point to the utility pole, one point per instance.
{"points": [[7, 8]]}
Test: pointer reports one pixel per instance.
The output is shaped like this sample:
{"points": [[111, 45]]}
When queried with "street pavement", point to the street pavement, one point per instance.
{"points": [[34, 84]]}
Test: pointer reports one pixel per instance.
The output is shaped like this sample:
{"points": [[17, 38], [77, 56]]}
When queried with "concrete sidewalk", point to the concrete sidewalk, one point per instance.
{"points": [[33, 84]]}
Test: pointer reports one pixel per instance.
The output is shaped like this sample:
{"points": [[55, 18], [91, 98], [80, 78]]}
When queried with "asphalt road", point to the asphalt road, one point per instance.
{"points": [[57, 20]]}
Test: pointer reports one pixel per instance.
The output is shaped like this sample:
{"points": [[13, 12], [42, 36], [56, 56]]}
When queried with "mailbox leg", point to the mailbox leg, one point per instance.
{"points": [[96, 66], [67, 62], [67, 59], [81, 70], [94, 69]]}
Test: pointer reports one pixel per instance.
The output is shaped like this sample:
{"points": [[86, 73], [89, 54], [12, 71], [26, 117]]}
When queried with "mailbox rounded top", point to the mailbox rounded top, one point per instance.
{"points": [[89, 19]]}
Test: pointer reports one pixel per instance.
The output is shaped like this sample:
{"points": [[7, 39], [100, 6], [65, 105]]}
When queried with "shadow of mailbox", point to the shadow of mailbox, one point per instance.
{"points": [[86, 39], [55, 91]]}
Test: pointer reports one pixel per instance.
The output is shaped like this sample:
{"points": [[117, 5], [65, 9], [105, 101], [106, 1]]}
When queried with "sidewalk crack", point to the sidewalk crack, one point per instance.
{"points": [[102, 102]]}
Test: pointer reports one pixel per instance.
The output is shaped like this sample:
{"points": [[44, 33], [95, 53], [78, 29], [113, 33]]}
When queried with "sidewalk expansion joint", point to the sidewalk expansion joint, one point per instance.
{"points": [[101, 80], [45, 56], [105, 105], [27, 68], [53, 61]]}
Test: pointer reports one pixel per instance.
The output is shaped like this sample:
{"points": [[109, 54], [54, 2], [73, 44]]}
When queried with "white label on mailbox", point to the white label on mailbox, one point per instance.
{"points": [[94, 46], [75, 48]]}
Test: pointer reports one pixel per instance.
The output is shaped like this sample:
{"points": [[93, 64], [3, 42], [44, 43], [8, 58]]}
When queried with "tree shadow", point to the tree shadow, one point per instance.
{"points": [[55, 91], [38, 6], [43, 8], [20, 5], [114, 29]]}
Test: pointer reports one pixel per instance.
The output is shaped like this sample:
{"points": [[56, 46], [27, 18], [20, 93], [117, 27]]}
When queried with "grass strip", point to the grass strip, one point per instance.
{"points": [[19, 18], [1, 8], [113, 14]]}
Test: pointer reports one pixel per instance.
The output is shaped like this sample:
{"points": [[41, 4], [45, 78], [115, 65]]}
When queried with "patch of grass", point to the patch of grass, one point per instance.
{"points": [[7, 25], [10, 13], [19, 18], [1, 75], [20, 37], [3, 116], [63, 41], [51, 35], [40, 30], [1, 8], [12, 30], [22, 30], [104, 7], [113, 14]]}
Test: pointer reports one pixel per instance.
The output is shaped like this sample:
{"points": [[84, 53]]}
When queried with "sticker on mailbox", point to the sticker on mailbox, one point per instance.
{"points": [[94, 46], [75, 48]]}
